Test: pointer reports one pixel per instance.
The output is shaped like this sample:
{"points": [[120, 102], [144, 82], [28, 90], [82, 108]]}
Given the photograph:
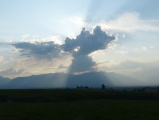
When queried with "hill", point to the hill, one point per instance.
{"points": [[4, 81], [63, 80]]}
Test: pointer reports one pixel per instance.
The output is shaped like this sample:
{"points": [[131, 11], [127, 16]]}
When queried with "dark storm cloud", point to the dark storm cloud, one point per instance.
{"points": [[47, 49], [86, 43]]}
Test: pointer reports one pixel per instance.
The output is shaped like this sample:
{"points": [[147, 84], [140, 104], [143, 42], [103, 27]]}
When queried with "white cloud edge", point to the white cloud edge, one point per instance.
{"points": [[130, 22]]}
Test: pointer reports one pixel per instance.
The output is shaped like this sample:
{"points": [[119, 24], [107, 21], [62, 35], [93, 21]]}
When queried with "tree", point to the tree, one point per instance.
{"points": [[103, 86]]}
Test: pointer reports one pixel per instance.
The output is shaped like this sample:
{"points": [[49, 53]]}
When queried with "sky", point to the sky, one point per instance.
{"points": [[49, 36]]}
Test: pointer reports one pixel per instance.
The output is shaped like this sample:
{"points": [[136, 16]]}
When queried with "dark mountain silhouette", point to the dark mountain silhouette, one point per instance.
{"points": [[63, 80], [37, 81], [4, 81], [91, 79]]}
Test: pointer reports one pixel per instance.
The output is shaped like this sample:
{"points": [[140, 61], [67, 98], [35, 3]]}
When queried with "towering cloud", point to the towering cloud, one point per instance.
{"points": [[84, 44]]}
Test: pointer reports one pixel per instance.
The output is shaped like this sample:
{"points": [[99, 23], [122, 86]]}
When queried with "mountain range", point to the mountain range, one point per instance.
{"points": [[64, 80]]}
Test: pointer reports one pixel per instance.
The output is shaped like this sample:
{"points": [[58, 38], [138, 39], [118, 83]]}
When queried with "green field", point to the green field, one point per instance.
{"points": [[77, 105]]}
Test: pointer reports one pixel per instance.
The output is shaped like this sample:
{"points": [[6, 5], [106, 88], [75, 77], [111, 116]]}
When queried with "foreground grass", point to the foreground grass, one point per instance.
{"points": [[78, 105], [82, 110]]}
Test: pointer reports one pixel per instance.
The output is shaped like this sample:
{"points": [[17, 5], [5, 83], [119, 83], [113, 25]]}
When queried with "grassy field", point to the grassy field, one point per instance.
{"points": [[77, 105]]}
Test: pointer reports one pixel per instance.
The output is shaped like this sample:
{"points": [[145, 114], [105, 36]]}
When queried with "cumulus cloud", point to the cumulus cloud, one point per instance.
{"points": [[39, 50], [85, 44]]}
